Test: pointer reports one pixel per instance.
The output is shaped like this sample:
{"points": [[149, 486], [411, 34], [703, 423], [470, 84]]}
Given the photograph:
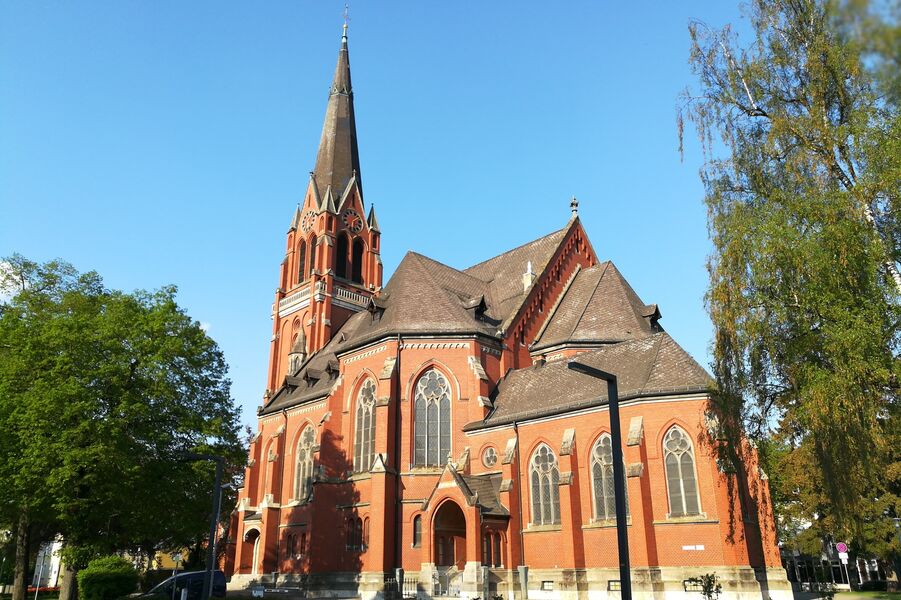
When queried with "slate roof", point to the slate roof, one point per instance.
{"points": [[338, 158], [426, 297], [487, 487], [504, 272], [649, 366], [599, 306], [423, 296]]}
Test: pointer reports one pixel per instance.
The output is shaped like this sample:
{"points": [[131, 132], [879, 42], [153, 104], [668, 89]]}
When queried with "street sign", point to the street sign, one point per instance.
{"points": [[843, 556], [842, 548]]}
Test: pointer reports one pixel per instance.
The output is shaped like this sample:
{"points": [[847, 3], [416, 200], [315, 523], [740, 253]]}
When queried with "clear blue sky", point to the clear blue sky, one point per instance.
{"points": [[167, 142]]}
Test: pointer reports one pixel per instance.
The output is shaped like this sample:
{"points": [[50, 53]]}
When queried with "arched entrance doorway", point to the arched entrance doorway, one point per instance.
{"points": [[450, 536], [448, 548], [250, 555]]}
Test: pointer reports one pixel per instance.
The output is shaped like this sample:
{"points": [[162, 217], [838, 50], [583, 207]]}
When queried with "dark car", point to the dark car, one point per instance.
{"points": [[171, 588]]}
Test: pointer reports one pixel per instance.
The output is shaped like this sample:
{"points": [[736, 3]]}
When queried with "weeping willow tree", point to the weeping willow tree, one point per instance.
{"points": [[802, 179]]}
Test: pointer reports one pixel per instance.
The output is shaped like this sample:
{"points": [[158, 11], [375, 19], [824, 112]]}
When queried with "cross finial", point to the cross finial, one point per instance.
{"points": [[346, 20], [574, 206]]}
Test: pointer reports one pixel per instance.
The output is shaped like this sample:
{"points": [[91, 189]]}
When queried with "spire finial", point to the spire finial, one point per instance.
{"points": [[346, 21], [574, 206]]}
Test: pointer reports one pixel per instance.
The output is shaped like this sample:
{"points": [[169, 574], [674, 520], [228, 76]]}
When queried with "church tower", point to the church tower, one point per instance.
{"points": [[332, 266]]}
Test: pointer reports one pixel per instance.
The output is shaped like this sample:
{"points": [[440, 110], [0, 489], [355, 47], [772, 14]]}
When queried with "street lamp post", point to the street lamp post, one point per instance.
{"points": [[619, 475], [214, 520]]}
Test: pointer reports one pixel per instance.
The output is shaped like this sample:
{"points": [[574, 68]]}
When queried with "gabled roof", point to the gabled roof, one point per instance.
{"points": [[599, 306], [486, 488], [651, 366], [504, 272], [426, 297]]}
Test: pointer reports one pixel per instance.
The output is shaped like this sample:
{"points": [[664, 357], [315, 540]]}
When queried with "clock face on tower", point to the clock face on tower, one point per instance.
{"points": [[309, 219], [352, 220]]}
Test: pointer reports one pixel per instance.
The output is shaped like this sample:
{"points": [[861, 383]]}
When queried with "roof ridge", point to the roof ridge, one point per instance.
{"points": [[420, 258], [666, 336], [628, 286], [590, 298], [511, 250], [647, 378], [445, 265]]}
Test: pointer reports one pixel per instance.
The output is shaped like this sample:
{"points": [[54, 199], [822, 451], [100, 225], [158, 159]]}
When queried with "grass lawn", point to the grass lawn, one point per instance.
{"points": [[868, 596]]}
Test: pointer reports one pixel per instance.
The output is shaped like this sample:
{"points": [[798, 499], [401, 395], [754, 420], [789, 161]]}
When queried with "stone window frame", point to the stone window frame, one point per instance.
{"points": [[443, 404], [364, 431], [596, 460], [683, 511], [303, 471], [544, 476]]}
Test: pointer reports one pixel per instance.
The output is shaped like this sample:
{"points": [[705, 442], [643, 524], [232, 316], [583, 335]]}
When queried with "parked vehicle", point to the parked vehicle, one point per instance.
{"points": [[171, 588]]}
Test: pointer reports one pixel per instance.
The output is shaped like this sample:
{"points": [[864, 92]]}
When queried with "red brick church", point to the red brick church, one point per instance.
{"points": [[430, 424]]}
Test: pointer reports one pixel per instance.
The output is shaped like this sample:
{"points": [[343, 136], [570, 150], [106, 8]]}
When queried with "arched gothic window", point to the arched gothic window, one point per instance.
{"points": [[312, 256], [432, 420], [680, 473], [365, 539], [602, 479], [301, 262], [545, 487], [303, 480], [417, 531], [341, 256], [354, 533], [364, 440], [356, 263]]}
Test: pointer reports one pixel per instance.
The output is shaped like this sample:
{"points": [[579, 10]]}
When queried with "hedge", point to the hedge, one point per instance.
{"points": [[107, 578]]}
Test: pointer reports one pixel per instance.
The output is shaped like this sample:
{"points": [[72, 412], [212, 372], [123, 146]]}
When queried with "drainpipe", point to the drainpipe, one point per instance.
{"points": [[523, 570], [398, 512], [281, 481]]}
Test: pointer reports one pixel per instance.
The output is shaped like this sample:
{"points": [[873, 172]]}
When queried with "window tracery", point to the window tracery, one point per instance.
{"points": [[432, 424], [681, 483], [545, 477]]}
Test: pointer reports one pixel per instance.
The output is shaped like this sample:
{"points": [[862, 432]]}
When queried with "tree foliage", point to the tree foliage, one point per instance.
{"points": [[100, 393], [803, 189]]}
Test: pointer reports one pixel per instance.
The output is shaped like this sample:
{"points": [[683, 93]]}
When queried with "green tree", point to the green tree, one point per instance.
{"points": [[100, 393], [803, 189]]}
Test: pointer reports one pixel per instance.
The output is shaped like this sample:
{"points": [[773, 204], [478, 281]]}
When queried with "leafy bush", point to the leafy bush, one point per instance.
{"points": [[709, 584], [107, 578]]}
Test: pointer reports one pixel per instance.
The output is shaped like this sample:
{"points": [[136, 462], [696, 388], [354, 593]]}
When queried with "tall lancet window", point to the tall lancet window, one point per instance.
{"points": [[301, 262], [364, 436], [432, 424], [312, 266], [602, 479], [357, 261], [303, 478], [545, 477], [680, 474]]}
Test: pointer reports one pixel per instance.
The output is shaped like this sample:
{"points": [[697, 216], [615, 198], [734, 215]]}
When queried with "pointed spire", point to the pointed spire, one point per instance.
{"points": [[338, 157], [295, 220], [372, 221]]}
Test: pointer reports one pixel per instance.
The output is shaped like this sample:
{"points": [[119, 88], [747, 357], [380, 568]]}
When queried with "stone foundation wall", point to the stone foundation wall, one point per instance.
{"points": [[665, 583]]}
